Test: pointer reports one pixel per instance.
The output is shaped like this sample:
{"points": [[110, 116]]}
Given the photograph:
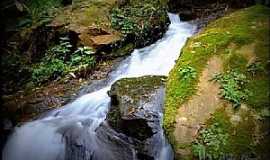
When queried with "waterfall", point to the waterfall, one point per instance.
{"points": [[44, 138], [174, 18]]}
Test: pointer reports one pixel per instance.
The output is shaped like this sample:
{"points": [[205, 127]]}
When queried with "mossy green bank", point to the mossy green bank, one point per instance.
{"points": [[231, 38]]}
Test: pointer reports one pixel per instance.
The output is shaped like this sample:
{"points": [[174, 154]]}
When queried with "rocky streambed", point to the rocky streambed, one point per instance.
{"points": [[117, 116], [85, 23], [83, 130]]}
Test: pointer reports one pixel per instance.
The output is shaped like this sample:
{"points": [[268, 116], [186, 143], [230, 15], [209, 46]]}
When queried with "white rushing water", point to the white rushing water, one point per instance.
{"points": [[42, 139]]}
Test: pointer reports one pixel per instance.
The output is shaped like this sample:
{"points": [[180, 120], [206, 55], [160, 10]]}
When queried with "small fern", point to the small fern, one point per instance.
{"points": [[233, 86]]}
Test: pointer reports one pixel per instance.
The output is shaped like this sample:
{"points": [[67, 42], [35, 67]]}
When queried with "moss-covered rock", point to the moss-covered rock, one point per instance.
{"points": [[240, 134], [241, 41], [135, 106]]}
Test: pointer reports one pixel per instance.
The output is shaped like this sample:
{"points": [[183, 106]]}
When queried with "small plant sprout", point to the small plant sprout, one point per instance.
{"points": [[187, 73]]}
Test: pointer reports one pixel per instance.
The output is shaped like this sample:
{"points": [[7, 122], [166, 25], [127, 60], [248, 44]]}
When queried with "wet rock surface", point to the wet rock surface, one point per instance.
{"points": [[80, 144], [132, 128], [135, 106], [139, 136], [120, 146], [125, 147]]}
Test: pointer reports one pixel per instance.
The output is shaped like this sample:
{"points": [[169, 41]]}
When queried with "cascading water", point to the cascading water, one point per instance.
{"points": [[43, 139]]}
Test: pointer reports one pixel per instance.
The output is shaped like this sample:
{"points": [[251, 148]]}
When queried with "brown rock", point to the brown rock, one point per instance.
{"points": [[99, 41]]}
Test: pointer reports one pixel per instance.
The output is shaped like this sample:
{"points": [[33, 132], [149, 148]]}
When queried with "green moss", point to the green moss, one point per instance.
{"points": [[262, 50], [234, 61], [87, 13], [241, 28], [260, 93], [262, 149], [145, 84], [241, 136], [221, 117], [240, 142], [100, 8]]}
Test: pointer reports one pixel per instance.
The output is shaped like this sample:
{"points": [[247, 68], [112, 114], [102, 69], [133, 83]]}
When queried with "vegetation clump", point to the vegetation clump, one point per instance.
{"points": [[187, 73], [233, 85], [37, 11], [211, 142], [137, 19], [60, 60]]}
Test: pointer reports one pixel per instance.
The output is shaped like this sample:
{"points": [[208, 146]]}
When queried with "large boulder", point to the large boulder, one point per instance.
{"points": [[135, 117], [136, 104]]}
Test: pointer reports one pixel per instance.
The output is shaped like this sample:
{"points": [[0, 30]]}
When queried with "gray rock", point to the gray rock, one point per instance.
{"points": [[136, 104]]}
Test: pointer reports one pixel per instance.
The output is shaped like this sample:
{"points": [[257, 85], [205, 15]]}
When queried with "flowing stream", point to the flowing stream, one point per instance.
{"points": [[42, 139]]}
